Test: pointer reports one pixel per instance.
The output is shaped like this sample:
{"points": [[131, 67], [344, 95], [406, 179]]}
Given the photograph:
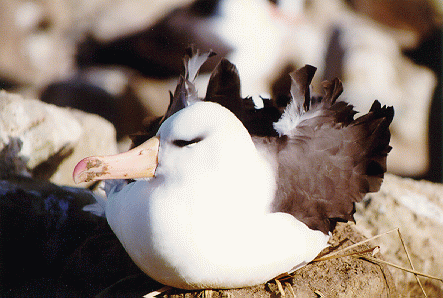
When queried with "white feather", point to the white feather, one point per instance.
{"points": [[204, 220]]}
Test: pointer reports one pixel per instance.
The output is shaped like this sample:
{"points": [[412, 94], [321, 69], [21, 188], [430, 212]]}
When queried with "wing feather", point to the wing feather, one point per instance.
{"points": [[327, 160], [185, 93]]}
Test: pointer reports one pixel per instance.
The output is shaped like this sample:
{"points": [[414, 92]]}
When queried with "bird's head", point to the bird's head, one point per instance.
{"points": [[197, 140]]}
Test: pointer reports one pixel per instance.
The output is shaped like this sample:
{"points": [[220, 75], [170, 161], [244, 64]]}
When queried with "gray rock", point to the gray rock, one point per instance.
{"points": [[98, 138], [416, 208], [45, 141], [31, 132]]}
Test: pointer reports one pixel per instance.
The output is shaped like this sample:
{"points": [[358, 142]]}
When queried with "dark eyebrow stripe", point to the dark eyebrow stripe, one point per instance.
{"points": [[183, 143]]}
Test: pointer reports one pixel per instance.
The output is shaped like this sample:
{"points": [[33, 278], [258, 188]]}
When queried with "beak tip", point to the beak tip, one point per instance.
{"points": [[139, 162], [77, 179], [78, 171]]}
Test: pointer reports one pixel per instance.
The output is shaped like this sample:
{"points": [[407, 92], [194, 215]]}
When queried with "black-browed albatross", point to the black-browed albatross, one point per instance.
{"points": [[213, 192]]}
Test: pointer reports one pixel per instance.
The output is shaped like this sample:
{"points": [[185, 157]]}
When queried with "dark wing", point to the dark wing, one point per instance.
{"points": [[224, 88], [328, 160], [260, 122], [185, 93]]}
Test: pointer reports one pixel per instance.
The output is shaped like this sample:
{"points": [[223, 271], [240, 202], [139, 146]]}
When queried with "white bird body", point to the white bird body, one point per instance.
{"points": [[204, 220], [223, 208]]}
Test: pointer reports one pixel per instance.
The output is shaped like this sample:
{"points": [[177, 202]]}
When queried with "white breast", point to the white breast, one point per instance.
{"points": [[203, 221], [182, 243]]}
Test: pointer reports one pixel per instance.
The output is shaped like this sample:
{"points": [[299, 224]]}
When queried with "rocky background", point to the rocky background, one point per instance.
{"points": [[35, 144], [390, 52], [40, 143]]}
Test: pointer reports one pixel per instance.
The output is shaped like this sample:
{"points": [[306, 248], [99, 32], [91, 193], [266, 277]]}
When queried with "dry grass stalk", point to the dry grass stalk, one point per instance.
{"points": [[288, 285], [410, 263], [319, 294], [330, 255], [375, 260], [336, 256], [157, 292], [280, 288], [339, 254]]}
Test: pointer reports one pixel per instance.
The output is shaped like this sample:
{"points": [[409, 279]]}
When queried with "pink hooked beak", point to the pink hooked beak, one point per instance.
{"points": [[139, 162]]}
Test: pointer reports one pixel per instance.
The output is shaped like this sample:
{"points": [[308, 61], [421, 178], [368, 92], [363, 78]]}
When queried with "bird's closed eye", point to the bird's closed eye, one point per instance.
{"points": [[183, 143]]}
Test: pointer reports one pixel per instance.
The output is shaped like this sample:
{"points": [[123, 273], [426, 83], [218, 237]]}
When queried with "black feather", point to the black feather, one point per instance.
{"points": [[329, 160]]}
